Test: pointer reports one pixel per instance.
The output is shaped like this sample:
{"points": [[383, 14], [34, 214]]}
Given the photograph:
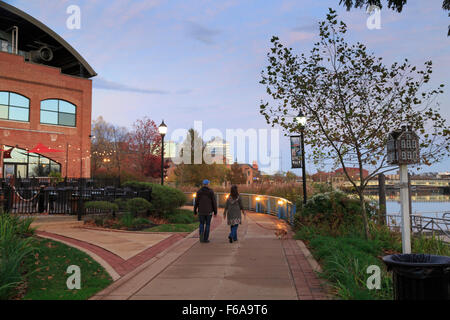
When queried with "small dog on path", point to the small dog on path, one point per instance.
{"points": [[281, 233]]}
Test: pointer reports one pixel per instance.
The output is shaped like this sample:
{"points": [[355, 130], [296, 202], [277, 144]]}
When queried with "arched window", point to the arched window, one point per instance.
{"points": [[14, 106], [59, 112]]}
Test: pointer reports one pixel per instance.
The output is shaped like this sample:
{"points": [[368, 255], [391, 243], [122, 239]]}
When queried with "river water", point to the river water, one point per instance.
{"points": [[426, 209]]}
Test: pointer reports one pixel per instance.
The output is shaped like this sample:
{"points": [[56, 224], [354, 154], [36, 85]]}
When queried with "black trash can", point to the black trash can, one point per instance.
{"points": [[419, 276]]}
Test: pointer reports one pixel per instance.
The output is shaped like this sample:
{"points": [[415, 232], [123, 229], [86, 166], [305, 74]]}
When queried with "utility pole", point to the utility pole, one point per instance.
{"points": [[404, 201], [67, 157], [382, 197], [303, 167]]}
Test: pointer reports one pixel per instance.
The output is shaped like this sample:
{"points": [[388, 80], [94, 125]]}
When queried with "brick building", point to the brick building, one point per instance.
{"points": [[45, 98], [338, 176], [251, 172]]}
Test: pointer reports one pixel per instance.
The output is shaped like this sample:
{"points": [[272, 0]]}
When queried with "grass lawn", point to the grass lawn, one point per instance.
{"points": [[174, 227], [50, 263]]}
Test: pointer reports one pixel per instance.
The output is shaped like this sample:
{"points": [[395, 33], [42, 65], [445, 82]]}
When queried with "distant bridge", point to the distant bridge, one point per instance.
{"points": [[395, 183], [441, 186], [416, 198]]}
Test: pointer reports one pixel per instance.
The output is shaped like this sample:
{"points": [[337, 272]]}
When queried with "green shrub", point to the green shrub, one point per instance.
{"points": [[24, 227], [14, 248], [103, 206], [56, 176], [390, 240], [20, 226], [121, 203], [430, 245], [181, 216], [332, 213], [164, 199], [99, 221], [138, 206], [306, 233], [127, 220], [137, 222]]}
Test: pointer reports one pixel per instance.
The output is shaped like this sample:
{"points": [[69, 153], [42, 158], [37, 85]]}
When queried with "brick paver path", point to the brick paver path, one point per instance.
{"points": [[120, 265], [258, 266]]}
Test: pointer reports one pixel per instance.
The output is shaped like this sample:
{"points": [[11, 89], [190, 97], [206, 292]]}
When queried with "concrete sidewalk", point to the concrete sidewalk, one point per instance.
{"points": [[258, 266]]}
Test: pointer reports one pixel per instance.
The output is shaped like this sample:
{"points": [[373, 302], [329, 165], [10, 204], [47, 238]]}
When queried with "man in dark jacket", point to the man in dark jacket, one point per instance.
{"points": [[205, 205]]}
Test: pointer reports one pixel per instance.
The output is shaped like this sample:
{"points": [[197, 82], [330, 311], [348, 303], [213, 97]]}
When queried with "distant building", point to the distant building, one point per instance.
{"points": [[170, 149], [322, 176], [444, 175], [219, 151], [338, 176], [251, 172], [392, 177]]}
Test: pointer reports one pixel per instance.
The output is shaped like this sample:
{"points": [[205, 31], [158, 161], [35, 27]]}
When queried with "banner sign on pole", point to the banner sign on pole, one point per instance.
{"points": [[296, 152]]}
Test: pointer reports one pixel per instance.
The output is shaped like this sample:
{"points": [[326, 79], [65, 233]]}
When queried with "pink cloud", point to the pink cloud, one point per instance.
{"points": [[299, 36]]}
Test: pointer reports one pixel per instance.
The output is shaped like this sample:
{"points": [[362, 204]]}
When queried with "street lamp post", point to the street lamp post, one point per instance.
{"points": [[162, 131], [301, 120]]}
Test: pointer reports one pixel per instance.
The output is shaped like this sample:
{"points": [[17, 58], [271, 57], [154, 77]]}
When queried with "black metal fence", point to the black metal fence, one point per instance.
{"points": [[29, 196]]}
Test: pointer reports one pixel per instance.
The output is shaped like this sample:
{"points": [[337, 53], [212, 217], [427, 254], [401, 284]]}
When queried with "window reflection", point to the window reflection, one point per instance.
{"points": [[59, 112], [28, 165], [14, 106]]}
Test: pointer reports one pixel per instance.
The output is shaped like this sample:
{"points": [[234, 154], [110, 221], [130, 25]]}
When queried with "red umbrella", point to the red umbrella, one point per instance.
{"points": [[7, 153], [40, 148]]}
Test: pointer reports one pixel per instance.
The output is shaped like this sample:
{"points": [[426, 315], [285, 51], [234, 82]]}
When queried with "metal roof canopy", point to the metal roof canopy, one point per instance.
{"points": [[31, 31]]}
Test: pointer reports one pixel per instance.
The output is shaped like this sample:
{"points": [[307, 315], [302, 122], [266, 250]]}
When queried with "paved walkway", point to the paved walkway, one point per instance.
{"points": [[258, 266], [119, 252]]}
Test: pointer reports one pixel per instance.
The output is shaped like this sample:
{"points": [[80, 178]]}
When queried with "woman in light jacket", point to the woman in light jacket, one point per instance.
{"points": [[233, 209]]}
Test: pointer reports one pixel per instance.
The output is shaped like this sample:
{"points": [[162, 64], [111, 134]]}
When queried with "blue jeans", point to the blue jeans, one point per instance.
{"points": [[204, 230], [233, 233]]}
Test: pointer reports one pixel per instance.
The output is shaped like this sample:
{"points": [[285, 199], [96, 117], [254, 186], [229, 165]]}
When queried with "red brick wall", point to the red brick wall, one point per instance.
{"points": [[37, 83]]}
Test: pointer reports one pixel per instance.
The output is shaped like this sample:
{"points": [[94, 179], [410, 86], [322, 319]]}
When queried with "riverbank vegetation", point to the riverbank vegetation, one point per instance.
{"points": [[331, 226]]}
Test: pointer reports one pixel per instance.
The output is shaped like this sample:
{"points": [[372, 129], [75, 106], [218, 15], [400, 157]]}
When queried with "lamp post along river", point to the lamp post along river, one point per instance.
{"points": [[162, 131]]}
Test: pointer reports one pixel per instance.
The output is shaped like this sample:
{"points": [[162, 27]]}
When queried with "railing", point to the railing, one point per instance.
{"points": [[280, 207], [37, 182], [422, 225], [60, 199]]}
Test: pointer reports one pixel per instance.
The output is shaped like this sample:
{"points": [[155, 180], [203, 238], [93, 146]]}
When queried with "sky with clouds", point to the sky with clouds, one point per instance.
{"points": [[183, 61]]}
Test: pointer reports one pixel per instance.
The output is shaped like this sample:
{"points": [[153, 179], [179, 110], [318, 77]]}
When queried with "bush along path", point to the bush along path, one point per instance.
{"points": [[162, 214], [331, 226]]}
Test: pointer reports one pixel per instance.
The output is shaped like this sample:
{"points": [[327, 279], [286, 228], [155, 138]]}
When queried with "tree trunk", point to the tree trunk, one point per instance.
{"points": [[382, 198], [364, 214]]}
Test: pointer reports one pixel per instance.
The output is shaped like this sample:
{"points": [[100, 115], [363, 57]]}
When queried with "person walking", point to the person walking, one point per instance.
{"points": [[205, 206], [233, 209]]}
